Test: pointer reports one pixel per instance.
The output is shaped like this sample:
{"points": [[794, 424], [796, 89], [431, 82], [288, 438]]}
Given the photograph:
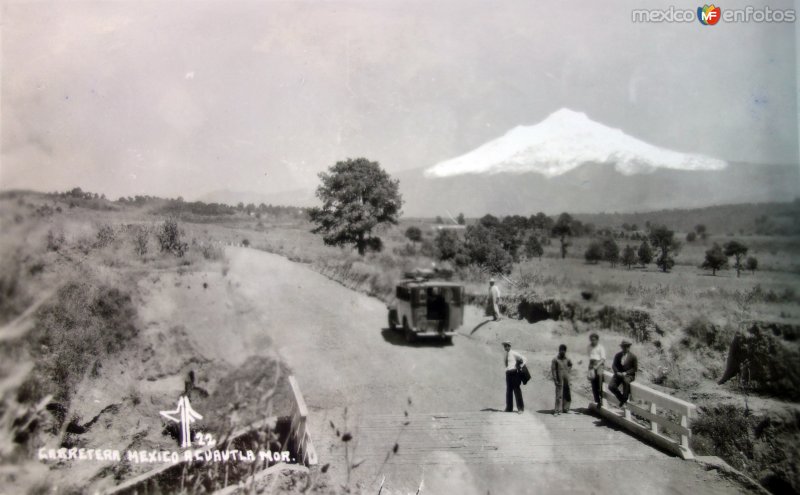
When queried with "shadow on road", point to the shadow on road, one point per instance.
{"points": [[479, 326], [396, 337], [492, 409]]}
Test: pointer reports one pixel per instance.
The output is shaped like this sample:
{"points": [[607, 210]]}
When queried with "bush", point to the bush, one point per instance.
{"points": [[533, 247], [447, 244], [723, 431], [594, 253], [752, 264], [141, 239], [169, 238], [55, 241], [484, 249], [105, 236], [212, 252], [77, 329], [701, 333]]}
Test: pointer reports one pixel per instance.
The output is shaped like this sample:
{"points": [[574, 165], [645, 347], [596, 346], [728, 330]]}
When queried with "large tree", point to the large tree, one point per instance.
{"points": [[357, 197], [533, 248], [611, 251], [562, 229], [484, 249], [628, 256], [447, 243], [715, 259], [594, 253], [664, 241], [414, 234], [645, 253], [738, 251]]}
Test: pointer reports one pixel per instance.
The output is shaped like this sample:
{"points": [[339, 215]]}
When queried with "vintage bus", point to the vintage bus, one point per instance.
{"points": [[426, 307]]}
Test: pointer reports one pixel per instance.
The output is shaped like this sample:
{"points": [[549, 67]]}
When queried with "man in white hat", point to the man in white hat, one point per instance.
{"points": [[494, 300]]}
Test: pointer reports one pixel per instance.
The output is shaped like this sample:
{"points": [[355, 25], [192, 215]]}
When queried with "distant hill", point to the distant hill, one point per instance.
{"points": [[595, 188], [300, 197], [754, 218]]}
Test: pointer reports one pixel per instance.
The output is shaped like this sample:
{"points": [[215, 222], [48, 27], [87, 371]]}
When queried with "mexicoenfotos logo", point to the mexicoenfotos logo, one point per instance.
{"points": [[708, 15]]}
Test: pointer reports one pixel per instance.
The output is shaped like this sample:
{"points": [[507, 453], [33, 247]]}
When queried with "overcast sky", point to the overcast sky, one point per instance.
{"points": [[182, 98]]}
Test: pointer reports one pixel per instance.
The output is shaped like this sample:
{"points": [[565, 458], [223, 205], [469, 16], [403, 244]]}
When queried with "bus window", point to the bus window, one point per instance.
{"points": [[457, 295], [403, 294]]}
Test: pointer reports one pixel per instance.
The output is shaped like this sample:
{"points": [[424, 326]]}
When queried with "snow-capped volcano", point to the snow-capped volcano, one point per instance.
{"points": [[564, 141]]}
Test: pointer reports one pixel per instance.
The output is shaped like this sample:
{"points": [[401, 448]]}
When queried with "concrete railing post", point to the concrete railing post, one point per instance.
{"points": [[653, 424]]}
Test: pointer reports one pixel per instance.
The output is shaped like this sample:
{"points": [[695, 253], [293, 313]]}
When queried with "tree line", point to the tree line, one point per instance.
{"points": [[359, 197]]}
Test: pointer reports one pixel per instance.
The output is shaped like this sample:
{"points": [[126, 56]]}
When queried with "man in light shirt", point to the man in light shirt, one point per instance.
{"points": [[597, 359], [494, 300], [513, 362]]}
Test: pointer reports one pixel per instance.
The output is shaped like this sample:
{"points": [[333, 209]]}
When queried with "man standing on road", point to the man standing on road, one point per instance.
{"points": [[560, 368], [494, 300], [597, 361], [513, 362], [625, 367]]}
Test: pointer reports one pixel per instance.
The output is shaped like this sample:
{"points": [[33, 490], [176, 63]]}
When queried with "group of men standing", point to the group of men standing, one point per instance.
{"points": [[624, 366]]}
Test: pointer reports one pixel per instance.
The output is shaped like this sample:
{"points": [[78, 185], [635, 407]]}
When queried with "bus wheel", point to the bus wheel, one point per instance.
{"points": [[393, 320]]}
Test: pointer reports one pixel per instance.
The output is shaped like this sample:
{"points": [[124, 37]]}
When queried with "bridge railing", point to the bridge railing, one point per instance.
{"points": [[299, 427], [662, 411]]}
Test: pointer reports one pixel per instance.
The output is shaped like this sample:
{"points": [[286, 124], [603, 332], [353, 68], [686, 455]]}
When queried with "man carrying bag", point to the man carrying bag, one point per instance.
{"points": [[515, 363]]}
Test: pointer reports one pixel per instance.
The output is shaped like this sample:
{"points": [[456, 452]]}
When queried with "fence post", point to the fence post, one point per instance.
{"points": [[654, 411], [684, 438]]}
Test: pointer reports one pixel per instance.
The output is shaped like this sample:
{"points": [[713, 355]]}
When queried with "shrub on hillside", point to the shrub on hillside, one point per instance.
{"points": [[701, 333], [766, 447], [105, 236], [73, 332], [764, 358], [212, 252], [14, 297], [55, 240], [141, 239], [724, 431], [484, 249], [169, 238]]}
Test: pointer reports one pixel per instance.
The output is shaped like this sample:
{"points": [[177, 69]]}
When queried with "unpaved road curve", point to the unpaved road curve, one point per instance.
{"points": [[336, 343]]}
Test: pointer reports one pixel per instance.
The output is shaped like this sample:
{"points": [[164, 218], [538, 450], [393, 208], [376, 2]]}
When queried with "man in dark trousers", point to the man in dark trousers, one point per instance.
{"points": [[597, 361], [625, 367], [513, 362], [560, 368]]}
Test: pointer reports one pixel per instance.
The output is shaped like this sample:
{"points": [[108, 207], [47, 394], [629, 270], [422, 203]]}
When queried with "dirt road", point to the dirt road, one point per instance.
{"points": [[453, 439]]}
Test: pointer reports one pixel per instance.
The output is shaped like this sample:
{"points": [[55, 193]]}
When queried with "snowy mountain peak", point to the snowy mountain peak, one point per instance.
{"points": [[563, 141]]}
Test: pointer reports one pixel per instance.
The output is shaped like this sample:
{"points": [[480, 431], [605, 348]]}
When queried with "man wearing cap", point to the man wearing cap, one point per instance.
{"points": [[625, 367], [494, 300], [513, 362]]}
